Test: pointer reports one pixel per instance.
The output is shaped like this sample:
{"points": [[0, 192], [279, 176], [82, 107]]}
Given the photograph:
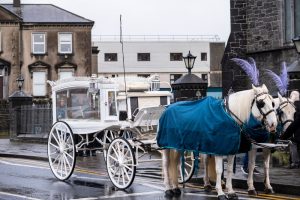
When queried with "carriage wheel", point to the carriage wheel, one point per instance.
{"points": [[189, 167], [61, 150], [121, 163], [108, 137]]}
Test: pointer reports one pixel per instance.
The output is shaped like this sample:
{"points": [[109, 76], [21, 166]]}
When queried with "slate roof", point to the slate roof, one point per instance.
{"points": [[45, 13]]}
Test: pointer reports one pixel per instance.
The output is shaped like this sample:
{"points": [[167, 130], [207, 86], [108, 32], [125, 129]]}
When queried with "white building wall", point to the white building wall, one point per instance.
{"points": [[159, 58]]}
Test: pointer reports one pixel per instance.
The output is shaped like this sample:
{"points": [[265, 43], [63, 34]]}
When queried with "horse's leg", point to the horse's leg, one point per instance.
{"points": [[251, 165], [166, 166], [207, 186], [175, 164], [267, 155], [219, 170], [231, 192]]}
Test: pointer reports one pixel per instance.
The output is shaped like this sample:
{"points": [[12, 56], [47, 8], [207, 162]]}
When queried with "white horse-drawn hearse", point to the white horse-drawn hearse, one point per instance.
{"points": [[116, 117]]}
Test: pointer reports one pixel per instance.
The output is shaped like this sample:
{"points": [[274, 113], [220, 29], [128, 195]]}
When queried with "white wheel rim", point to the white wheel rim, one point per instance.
{"points": [[120, 163], [189, 161], [61, 151]]}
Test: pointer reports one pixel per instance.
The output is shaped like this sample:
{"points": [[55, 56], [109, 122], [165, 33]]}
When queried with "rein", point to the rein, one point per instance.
{"points": [[242, 124]]}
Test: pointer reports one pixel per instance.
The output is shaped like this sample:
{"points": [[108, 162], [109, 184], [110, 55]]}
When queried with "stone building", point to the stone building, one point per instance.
{"points": [[41, 42], [262, 29]]}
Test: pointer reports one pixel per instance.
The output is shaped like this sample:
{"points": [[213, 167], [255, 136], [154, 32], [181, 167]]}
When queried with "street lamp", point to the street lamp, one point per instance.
{"points": [[296, 41], [189, 61], [20, 81]]}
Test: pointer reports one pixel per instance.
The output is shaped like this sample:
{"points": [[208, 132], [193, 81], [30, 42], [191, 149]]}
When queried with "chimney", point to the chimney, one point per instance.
{"points": [[17, 3]]}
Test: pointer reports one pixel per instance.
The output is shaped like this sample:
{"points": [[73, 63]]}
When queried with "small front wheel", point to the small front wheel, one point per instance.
{"points": [[121, 163], [61, 150]]}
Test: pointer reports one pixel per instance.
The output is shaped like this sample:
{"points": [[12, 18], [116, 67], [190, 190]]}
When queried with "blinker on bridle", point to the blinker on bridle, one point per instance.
{"points": [[260, 104], [280, 112]]}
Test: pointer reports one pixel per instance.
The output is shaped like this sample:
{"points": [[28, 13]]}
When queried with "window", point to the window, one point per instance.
{"points": [[174, 77], [39, 84], [38, 43], [65, 74], [204, 77], [110, 57], [0, 41], [203, 56], [292, 19], [143, 56], [143, 75], [65, 43], [77, 104], [175, 56]]}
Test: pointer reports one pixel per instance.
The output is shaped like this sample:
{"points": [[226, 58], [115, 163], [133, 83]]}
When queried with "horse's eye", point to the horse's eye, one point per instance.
{"points": [[260, 103]]}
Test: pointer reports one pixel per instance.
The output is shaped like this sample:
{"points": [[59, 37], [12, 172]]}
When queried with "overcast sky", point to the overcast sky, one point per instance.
{"points": [[151, 17]]}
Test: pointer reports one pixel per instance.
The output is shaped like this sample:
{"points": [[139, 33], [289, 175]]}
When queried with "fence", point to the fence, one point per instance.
{"points": [[4, 117], [33, 120]]}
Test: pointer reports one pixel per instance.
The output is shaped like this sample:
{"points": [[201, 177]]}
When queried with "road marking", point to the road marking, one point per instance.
{"points": [[21, 165], [211, 195], [19, 196], [121, 195]]}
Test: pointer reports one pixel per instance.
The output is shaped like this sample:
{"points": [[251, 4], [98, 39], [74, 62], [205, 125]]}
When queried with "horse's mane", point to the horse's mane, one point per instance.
{"points": [[240, 104]]}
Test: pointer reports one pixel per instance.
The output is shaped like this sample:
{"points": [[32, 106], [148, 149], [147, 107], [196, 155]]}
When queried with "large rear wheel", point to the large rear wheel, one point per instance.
{"points": [[189, 167], [61, 150]]}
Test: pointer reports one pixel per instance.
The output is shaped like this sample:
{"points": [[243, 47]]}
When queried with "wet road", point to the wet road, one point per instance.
{"points": [[28, 179]]}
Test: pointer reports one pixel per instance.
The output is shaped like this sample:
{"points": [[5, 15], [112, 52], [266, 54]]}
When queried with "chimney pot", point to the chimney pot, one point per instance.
{"points": [[17, 3]]}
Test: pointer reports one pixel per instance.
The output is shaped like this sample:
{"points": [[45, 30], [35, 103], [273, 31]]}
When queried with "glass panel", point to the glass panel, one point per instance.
{"points": [[38, 48], [39, 37], [297, 17], [112, 109], [65, 37], [65, 47], [39, 83], [63, 75], [288, 22], [77, 104]]}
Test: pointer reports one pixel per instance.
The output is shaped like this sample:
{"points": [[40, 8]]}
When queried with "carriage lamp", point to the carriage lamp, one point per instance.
{"points": [[296, 41], [189, 61], [20, 81], [93, 89]]}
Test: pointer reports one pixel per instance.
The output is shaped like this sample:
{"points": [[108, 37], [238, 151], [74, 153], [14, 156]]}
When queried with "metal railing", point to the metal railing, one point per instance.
{"points": [[116, 38]]}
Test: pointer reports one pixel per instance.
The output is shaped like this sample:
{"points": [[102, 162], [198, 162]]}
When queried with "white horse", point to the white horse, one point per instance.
{"points": [[285, 115], [240, 105]]}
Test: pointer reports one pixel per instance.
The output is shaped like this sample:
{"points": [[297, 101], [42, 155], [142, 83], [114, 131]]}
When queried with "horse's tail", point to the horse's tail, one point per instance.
{"points": [[212, 168]]}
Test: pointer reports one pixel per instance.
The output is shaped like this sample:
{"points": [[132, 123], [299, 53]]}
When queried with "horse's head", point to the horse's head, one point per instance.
{"points": [[263, 107], [286, 109]]}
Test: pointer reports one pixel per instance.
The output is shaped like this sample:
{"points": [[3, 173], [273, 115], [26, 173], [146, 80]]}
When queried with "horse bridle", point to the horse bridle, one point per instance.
{"points": [[280, 112], [260, 104]]}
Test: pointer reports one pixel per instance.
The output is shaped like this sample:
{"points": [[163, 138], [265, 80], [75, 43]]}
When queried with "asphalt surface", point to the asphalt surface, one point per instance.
{"points": [[283, 180]]}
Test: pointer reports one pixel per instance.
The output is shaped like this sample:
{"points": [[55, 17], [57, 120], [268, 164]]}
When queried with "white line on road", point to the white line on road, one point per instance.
{"points": [[19, 196], [121, 195], [22, 165], [211, 195]]}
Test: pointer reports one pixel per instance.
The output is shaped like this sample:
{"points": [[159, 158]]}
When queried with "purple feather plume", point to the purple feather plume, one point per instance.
{"points": [[250, 69], [281, 81]]}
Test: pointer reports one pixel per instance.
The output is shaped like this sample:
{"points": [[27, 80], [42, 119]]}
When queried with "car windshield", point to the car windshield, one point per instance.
{"points": [[77, 104]]}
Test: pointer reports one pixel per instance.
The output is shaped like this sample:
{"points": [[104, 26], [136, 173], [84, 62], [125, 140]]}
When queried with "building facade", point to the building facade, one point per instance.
{"points": [[262, 29], [163, 57], [41, 42]]}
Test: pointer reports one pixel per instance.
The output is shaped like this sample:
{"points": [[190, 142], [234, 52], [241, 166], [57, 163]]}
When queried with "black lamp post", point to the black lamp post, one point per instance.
{"points": [[20, 81], [189, 61], [296, 41]]}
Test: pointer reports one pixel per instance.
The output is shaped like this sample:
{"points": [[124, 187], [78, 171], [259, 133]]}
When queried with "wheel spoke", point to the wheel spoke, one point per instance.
{"points": [[115, 151], [126, 166], [68, 162], [123, 178], [128, 178], [115, 159], [54, 145], [54, 137], [69, 155]]}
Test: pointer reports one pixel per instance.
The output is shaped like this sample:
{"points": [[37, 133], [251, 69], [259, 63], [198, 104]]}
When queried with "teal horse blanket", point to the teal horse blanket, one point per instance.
{"points": [[202, 126]]}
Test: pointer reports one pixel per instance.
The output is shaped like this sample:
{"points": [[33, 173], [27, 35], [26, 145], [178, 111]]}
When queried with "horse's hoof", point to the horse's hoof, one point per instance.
{"points": [[176, 192], [169, 194], [207, 188], [233, 196], [269, 191], [252, 192], [222, 197]]}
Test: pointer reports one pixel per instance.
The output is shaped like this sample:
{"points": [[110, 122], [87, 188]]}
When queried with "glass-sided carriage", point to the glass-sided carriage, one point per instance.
{"points": [[91, 113]]}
